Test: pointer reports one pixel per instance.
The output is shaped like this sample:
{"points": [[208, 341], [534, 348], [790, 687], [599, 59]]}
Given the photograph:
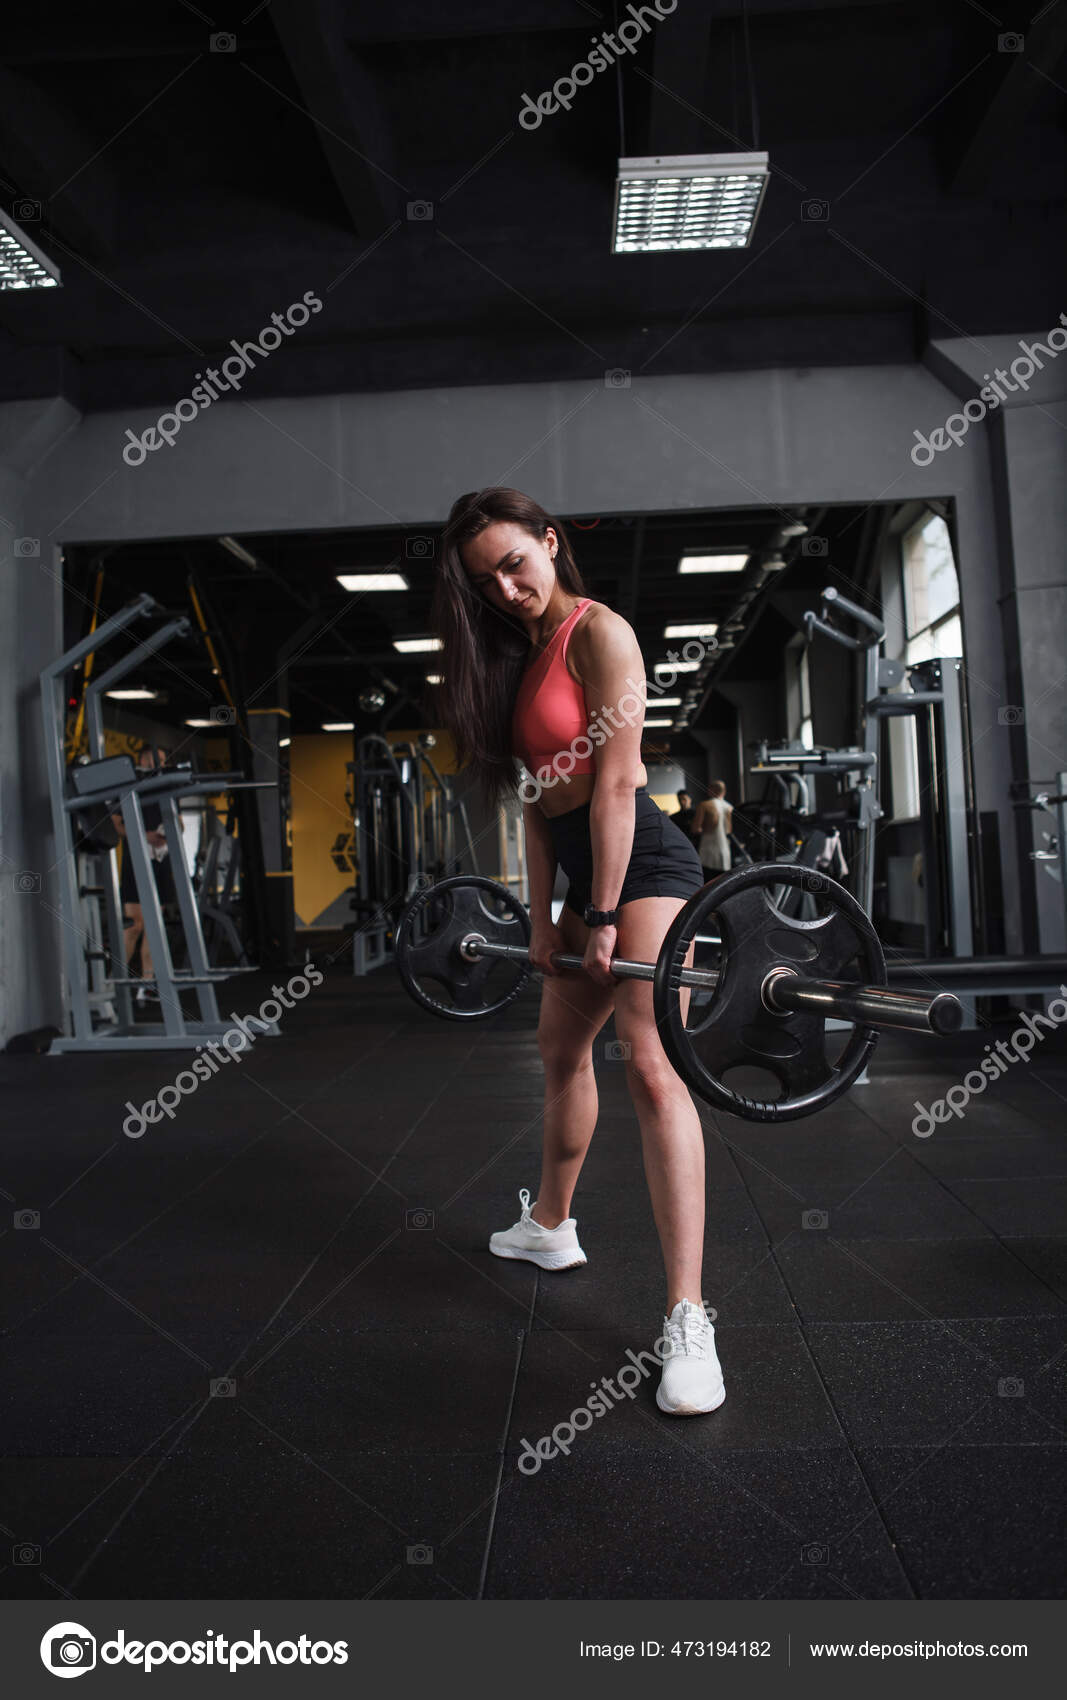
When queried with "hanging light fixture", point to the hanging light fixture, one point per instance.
{"points": [[671, 202]]}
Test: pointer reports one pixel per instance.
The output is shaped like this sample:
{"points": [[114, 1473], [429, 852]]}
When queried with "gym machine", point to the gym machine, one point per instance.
{"points": [[105, 784]]}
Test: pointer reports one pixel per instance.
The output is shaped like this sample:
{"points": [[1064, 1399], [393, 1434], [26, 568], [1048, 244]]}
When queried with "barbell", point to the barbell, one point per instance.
{"points": [[462, 951]]}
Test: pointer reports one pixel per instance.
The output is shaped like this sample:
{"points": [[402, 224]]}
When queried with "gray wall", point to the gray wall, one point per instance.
{"points": [[717, 441]]}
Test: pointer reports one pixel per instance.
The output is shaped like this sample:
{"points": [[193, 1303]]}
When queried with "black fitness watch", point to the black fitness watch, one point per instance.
{"points": [[598, 917]]}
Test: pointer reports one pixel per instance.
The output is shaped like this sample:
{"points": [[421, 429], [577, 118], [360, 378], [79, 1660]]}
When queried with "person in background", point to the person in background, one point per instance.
{"points": [[712, 820], [683, 815], [134, 911]]}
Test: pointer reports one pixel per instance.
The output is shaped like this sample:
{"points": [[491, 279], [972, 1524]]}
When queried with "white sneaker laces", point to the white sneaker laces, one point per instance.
{"points": [[688, 1336]]}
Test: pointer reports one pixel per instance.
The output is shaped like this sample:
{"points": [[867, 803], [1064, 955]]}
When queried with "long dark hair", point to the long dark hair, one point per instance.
{"points": [[485, 652]]}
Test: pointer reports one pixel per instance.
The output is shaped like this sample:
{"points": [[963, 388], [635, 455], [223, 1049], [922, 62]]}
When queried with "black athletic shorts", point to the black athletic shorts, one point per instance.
{"points": [[663, 861]]}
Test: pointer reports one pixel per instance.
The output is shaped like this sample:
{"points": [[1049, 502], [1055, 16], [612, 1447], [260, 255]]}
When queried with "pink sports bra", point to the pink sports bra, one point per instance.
{"points": [[550, 713]]}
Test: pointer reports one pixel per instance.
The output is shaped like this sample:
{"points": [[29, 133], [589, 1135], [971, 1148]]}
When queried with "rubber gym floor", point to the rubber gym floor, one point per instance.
{"points": [[310, 1234]]}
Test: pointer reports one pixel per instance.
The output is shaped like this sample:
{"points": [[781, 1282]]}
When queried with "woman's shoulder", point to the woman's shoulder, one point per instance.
{"points": [[598, 627]]}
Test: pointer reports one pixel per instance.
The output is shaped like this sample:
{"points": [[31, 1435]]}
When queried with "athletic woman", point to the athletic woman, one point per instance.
{"points": [[535, 670]]}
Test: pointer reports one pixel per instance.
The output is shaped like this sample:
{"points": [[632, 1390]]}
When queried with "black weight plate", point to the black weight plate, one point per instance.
{"points": [[736, 1028], [428, 936]]}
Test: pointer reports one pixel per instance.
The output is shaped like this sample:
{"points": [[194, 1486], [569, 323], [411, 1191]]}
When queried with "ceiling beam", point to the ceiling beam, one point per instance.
{"points": [[1026, 76], [53, 161], [341, 98]]}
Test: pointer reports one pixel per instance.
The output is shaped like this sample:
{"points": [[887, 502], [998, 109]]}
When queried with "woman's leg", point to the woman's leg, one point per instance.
{"points": [[672, 1139], [573, 1010]]}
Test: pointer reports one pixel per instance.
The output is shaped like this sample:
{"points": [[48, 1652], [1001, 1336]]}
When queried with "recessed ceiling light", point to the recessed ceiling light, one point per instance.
{"points": [[372, 581], [417, 645], [708, 629], [135, 694], [704, 563], [283, 743], [667, 702], [435, 678], [200, 723], [667, 722], [676, 666], [338, 726], [695, 200]]}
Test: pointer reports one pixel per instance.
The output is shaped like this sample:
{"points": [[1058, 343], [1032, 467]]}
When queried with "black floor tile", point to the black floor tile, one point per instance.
{"points": [[975, 1522], [1023, 1208], [276, 1524], [774, 1397], [795, 1524], [966, 1383], [917, 1207], [626, 1287], [1001, 1154], [1046, 1257], [845, 1280]]}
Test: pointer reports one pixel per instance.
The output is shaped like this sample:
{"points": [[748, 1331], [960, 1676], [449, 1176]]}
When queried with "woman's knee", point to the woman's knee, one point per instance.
{"points": [[560, 1054], [648, 1070]]}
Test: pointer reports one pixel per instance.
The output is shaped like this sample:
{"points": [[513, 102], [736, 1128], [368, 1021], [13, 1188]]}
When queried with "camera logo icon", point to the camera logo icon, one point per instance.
{"points": [[223, 42], [222, 714], [25, 1553], [27, 883], [815, 212], [27, 547], [616, 1050], [223, 1387], [68, 1649], [616, 378], [815, 1219], [1010, 43], [420, 1554], [1012, 715], [26, 211], [420, 212], [1010, 1387], [815, 546], [814, 1552], [419, 1221], [419, 548], [27, 1219]]}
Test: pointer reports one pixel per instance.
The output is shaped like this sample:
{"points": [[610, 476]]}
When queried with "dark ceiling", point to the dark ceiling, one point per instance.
{"points": [[187, 192], [285, 625]]}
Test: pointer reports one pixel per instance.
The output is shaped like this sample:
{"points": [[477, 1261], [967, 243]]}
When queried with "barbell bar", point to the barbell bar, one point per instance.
{"points": [[783, 989]]}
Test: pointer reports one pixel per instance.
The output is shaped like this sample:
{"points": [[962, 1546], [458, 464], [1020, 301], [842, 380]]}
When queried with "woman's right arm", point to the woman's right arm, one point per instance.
{"points": [[541, 869]]}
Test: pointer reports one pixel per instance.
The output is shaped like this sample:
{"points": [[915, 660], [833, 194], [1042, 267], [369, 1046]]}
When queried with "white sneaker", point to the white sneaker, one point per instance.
{"points": [[691, 1382], [549, 1248]]}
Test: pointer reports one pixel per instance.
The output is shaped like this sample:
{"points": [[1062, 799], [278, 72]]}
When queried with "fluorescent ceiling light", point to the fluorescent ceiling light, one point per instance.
{"points": [[691, 200], [135, 694], [667, 722], [22, 265], [707, 630], [417, 646], [667, 702], [199, 723], [676, 666], [338, 726], [283, 743], [713, 563], [372, 581], [435, 678], [239, 550]]}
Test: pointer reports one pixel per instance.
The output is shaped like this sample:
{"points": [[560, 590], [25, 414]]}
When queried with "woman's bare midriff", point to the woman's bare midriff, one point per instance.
{"points": [[571, 793]]}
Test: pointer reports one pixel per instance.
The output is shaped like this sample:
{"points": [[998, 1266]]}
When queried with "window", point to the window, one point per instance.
{"points": [[932, 627], [931, 592]]}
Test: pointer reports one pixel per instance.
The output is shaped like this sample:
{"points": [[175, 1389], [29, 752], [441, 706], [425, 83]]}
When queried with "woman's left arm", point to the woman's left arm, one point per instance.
{"points": [[608, 658]]}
